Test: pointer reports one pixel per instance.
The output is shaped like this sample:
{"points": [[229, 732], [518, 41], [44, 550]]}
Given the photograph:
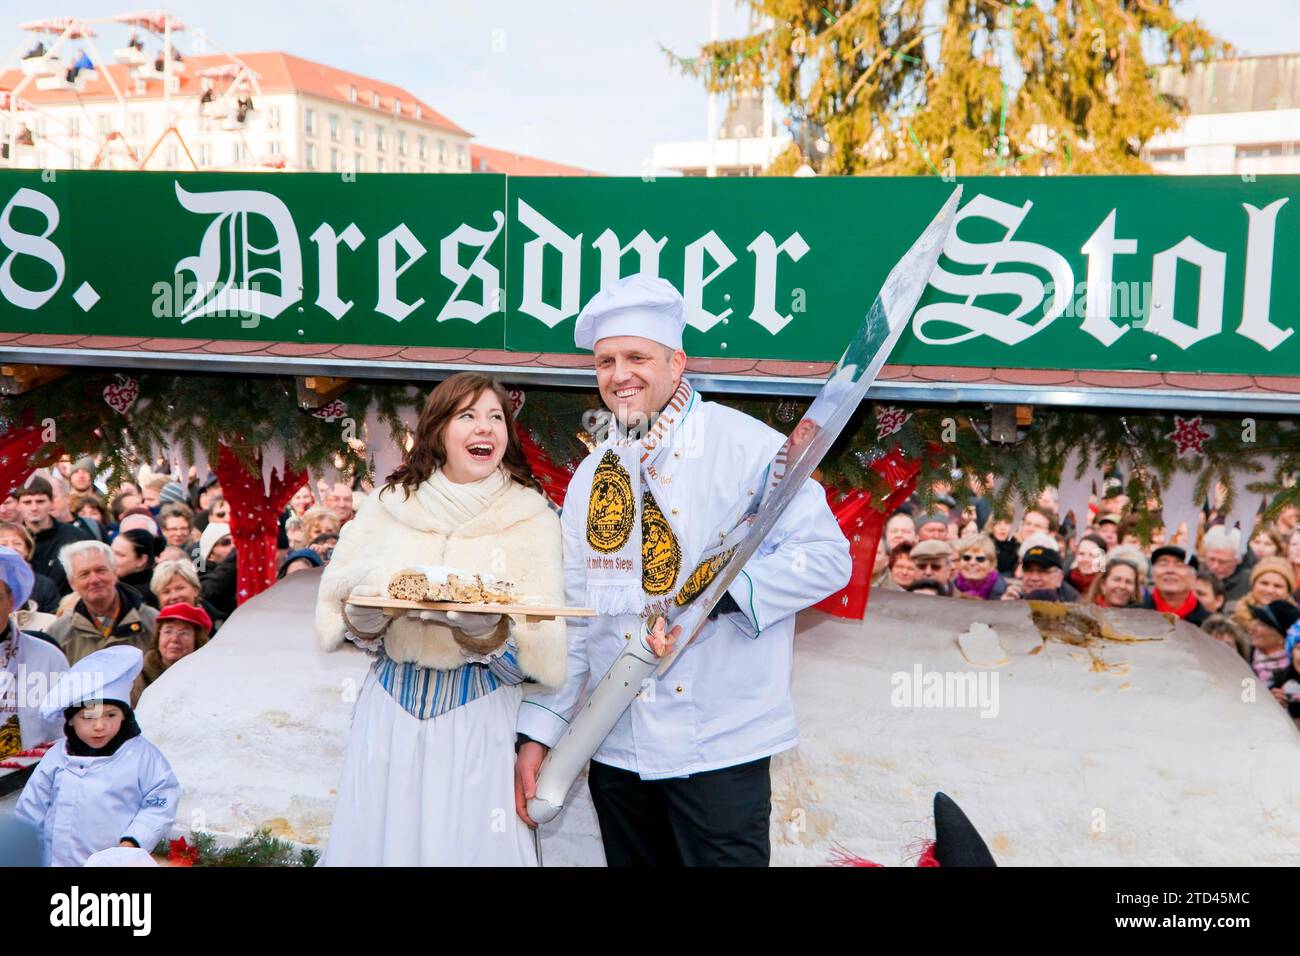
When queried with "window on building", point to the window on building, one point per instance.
{"points": [[442, 152], [173, 156], [397, 106], [359, 163], [374, 100], [422, 147], [352, 94], [74, 158], [309, 122], [273, 117], [309, 156], [358, 133], [334, 127], [236, 154], [401, 142], [38, 126], [74, 127], [205, 154], [135, 123], [460, 155], [379, 165], [1260, 150], [334, 161], [273, 147], [419, 113], [104, 123], [379, 137], [424, 169], [401, 166]]}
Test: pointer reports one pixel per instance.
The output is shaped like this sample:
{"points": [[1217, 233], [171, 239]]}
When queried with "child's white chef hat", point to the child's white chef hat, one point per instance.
{"points": [[103, 675]]}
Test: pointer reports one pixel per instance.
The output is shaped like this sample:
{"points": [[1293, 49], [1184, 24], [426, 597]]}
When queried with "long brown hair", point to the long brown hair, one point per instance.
{"points": [[428, 453]]}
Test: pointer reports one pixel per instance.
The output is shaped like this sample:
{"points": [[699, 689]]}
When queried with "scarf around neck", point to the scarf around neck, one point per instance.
{"points": [[633, 552], [981, 589], [451, 505], [1182, 610]]}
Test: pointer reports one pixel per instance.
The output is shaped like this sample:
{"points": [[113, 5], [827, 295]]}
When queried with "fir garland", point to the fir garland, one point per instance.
{"points": [[952, 444], [256, 849], [186, 413]]}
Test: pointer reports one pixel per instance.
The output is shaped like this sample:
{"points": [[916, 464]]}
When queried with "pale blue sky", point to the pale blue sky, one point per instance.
{"points": [[581, 81]]}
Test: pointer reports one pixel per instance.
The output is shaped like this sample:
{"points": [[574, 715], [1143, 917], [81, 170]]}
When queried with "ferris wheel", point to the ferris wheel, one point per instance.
{"points": [[190, 99]]}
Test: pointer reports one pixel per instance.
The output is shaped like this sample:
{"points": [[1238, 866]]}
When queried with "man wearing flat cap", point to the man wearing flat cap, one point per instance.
{"points": [[683, 778]]}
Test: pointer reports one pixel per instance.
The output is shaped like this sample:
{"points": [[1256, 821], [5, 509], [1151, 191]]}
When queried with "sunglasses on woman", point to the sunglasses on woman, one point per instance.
{"points": [[977, 558]]}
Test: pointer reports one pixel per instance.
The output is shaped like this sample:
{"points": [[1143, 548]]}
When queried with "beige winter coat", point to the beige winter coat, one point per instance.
{"points": [[516, 537]]}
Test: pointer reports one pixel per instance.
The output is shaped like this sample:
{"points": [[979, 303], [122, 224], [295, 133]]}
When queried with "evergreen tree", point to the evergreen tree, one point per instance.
{"points": [[1021, 87]]}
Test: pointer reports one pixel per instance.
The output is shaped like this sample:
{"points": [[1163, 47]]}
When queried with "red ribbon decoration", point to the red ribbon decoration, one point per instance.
{"points": [[254, 519], [16, 448], [554, 479], [863, 525]]}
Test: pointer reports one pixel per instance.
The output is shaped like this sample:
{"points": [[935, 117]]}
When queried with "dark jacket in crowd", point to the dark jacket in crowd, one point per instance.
{"points": [[217, 617], [1008, 556], [138, 581], [91, 528], [217, 585], [46, 594], [45, 556], [1237, 584]]}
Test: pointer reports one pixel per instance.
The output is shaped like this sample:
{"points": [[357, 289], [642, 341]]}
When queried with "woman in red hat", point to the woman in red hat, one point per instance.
{"points": [[181, 629]]}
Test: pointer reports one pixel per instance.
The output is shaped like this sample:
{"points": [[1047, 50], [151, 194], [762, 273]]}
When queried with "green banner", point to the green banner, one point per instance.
{"points": [[1148, 273]]}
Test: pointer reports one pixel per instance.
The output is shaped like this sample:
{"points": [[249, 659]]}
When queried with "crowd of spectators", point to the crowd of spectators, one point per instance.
{"points": [[1240, 586], [153, 563]]}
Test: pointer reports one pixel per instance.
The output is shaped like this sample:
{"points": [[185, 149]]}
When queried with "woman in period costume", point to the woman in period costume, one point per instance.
{"points": [[428, 775]]}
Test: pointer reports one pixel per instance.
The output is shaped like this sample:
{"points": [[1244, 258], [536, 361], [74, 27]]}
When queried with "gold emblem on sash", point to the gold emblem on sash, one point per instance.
{"points": [[704, 572], [611, 510], [661, 555]]}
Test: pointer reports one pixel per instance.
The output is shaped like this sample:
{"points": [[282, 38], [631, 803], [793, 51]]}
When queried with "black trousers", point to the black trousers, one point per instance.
{"points": [[716, 818]]}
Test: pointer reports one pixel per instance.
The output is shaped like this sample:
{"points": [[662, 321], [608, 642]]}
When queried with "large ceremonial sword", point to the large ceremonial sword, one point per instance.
{"points": [[749, 523]]}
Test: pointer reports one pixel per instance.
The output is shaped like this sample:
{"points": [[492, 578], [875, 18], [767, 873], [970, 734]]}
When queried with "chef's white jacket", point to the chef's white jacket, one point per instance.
{"points": [[82, 805], [726, 699]]}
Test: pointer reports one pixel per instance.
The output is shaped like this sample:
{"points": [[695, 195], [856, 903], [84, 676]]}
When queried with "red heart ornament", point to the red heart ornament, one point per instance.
{"points": [[123, 396]]}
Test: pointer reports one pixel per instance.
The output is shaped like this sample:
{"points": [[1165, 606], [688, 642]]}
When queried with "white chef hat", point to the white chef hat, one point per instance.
{"points": [[642, 305], [104, 675]]}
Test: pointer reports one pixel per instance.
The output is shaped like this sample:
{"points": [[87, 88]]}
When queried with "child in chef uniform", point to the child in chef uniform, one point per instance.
{"points": [[103, 785]]}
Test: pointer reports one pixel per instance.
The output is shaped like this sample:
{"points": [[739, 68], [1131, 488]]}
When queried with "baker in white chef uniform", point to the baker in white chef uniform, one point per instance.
{"points": [[88, 795], [29, 666], [684, 777]]}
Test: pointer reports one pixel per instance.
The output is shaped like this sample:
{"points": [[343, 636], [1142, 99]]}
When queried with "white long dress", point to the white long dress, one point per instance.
{"points": [[436, 792]]}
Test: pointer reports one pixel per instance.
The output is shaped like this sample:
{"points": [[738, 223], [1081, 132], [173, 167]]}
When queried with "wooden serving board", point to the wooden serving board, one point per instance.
{"points": [[530, 612]]}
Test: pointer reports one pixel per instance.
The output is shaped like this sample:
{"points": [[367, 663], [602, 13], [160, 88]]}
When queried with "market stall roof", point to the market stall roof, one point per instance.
{"points": [[1262, 394]]}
